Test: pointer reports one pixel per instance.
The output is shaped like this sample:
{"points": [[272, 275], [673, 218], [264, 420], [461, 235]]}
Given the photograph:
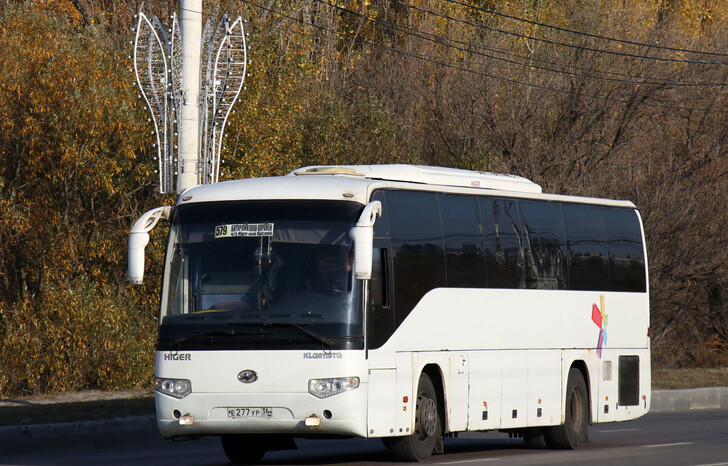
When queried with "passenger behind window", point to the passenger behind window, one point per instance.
{"points": [[271, 278]]}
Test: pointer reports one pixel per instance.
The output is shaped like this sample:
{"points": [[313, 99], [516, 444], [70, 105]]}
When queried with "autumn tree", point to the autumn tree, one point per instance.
{"points": [[70, 179]]}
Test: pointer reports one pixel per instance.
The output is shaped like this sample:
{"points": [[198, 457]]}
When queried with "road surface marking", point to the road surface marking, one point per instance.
{"points": [[667, 445], [479, 460]]}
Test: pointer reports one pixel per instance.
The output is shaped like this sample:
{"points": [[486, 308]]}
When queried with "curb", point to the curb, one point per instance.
{"points": [[692, 399], [97, 434], [142, 430]]}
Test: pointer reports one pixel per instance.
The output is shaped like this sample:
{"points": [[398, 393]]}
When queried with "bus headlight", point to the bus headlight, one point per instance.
{"points": [[324, 388], [178, 388]]}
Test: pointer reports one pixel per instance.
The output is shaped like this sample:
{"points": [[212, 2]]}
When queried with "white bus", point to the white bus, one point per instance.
{"points": [[401, 302]]}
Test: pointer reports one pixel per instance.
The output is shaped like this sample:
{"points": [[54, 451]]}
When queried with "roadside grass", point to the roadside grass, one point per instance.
{"points": [[689, 378]]}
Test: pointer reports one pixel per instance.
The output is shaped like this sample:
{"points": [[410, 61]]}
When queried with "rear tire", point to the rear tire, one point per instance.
{"points": [[574, 432], [428, 427], [242, 449]]}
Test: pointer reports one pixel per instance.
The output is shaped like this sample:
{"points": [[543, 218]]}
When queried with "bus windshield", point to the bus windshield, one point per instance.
{"points": [[261, 274]]}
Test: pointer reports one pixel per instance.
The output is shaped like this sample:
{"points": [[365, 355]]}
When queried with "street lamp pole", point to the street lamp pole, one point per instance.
{"points": [[189, 127]]}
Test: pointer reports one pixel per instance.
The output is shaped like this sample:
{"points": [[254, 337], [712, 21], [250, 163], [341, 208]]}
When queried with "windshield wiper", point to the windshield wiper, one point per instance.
{"points": [[213, 333], [325, 340], [229, 333], [318, 337]]}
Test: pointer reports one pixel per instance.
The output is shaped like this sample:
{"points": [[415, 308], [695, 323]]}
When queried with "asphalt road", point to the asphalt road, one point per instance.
{"points": [[695, 438]]}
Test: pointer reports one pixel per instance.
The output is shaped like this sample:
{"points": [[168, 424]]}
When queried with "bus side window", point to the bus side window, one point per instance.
{"points": [[626, 251], [504, 251], [380, 318], [586, 245], [543, 235], [418, 253], [381, 226], [378, 295], [462, 231]]}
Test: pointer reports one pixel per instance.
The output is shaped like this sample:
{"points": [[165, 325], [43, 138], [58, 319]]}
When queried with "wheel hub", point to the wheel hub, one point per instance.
{"points": [[427, 414]]}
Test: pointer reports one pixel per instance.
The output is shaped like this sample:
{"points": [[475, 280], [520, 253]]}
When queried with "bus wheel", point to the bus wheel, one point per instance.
{"points": [[574, 432], [428, 428], [535, 438], [241, 449]]}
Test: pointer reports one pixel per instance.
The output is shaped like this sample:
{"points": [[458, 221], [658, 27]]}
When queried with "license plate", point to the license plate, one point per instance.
{"points": [[247, 413]]}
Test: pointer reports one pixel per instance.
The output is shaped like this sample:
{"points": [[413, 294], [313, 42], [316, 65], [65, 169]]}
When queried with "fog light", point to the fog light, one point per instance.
{"points": [[186, 420], [313, 421]]}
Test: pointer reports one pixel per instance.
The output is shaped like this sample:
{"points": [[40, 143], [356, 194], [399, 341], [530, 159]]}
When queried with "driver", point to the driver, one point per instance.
{"points": [[333, 269]]}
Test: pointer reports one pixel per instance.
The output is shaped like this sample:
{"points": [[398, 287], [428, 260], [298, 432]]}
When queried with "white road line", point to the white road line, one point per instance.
{"points": [[661, 445], [479, 460], [616, 430]]}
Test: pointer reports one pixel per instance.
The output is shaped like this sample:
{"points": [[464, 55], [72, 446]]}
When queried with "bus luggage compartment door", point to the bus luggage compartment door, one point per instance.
{"points": [[382, 400]]}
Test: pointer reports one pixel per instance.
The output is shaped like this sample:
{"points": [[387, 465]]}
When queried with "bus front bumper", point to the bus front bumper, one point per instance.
{"points": [[298, 414]]}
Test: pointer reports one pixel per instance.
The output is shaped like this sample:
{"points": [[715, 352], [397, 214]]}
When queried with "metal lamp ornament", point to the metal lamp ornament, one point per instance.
{"points": [[190, 79]]}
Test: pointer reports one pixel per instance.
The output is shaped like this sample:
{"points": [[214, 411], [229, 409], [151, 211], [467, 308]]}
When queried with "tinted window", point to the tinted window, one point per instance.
{"points": [[381, 226], [504, 253], [543, 233], [626, 252], [588, 267], [380, 318], [463, 241], [418, 256]]}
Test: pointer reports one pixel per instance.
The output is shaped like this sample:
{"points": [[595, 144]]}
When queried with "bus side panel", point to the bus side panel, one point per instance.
{"points": [[406, 386], [382, 402], [514, 389], [480, 319], [456, 391], [544, 387], [605, 402], [485, 390]]}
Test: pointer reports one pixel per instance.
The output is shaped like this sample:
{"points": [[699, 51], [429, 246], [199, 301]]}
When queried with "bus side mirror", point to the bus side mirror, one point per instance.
{"points": [[363, 236], [137, 242], [139, 238]]}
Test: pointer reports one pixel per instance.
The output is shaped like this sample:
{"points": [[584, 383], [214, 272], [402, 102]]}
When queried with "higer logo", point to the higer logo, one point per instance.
{"points": [[177, 357]]}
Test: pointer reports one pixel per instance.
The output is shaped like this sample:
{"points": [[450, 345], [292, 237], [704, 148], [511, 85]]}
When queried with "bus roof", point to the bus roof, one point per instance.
{"points": [[435, 176], [356, 182]]}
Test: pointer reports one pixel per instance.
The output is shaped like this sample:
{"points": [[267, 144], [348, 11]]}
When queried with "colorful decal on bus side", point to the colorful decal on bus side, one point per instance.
{"points": [[599, 317]]}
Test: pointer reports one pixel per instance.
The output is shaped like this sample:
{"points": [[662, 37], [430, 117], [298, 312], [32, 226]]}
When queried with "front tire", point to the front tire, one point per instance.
{"points": [[242, 449], [428, 426], [535, 438], [574, 432]]}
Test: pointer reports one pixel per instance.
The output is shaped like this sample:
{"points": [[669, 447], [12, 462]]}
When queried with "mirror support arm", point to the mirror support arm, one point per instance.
{"points": [[139, 238]]}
